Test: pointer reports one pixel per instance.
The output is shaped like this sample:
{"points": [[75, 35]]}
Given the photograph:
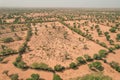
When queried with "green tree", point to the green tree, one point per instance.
{"points": [[56, 77], [59, 68], [80, 60], [14, 77], [72, 65]]}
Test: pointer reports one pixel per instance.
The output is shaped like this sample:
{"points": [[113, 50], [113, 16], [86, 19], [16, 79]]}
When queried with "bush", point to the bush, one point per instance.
{"points": [[96, 65], [80, 60], [97, 57], [7, 40], [34, 77], [72, 65], [118, 37], [19, 63], [102, 53], [113, 29], [59, 68], [88, 58], [14, 77], [117, 46], [56, 77]]}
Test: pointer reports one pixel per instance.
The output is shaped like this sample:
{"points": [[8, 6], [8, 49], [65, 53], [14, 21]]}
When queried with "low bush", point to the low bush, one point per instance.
{"points": [[59, 68]]}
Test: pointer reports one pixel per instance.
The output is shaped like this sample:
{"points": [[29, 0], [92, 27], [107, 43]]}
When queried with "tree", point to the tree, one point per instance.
{"points": [[118, 37], [34, 77], [56, 77], [59, 68], [113, 29], [97, 57], [72, 65], [96, 65], [80, 60], [102, 53], [14, 77], [88, 58]]}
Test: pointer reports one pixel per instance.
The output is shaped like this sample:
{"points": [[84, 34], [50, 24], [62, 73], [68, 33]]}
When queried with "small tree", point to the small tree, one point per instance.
{"points": [[14, 77], [56, 77], [88, 58], [59, 68], [80, 60], [72, 65], [34, 77]]}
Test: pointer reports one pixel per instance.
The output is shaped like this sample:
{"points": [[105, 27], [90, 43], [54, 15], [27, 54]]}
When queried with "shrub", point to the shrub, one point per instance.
{"points": [[97, 57], [14, 77], [96, 65], [88, 58], [34, 77], [80, 60], [7, 40], [118, 37], [113, 29], [72, 65], [59, 68], [102, 53], [117, 46], [56, 77]]}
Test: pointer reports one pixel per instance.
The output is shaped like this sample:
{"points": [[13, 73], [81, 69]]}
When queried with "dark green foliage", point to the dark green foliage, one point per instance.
{"points": [[88, 58], [19, 63], [59, 68], [8, 40], [72, 65], [113, 29], [96, 65], [118, 37], [102, 53], [34, 77], [14, 77], [80, 60], [56, 77]]}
